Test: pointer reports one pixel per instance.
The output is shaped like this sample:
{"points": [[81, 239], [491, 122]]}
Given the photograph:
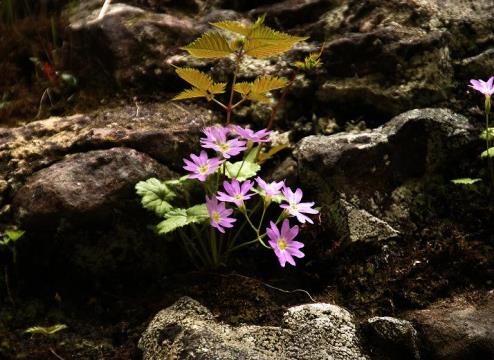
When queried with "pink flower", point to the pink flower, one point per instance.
{"points": [[485, 87], [216, 139], [271, 189], [201, 166], [236, 192], [219, 214], [283, 244], [297, 208], [251, 135]]}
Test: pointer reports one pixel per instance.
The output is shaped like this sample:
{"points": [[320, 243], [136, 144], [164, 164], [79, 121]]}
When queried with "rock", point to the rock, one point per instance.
{"points": [[69, 182], [391, 338], [187, 330], [165, 132], [369, 170], [457, 329], [359, 225], [128, 45], [392, 55], [87, 185], [291, 13]]}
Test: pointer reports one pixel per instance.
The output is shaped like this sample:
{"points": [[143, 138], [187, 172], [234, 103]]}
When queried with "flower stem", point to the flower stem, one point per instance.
{"points": [[488, 143], [229, 108]]}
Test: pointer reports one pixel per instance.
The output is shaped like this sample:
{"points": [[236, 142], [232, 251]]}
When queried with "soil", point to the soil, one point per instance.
{"points": [[441, 260]]}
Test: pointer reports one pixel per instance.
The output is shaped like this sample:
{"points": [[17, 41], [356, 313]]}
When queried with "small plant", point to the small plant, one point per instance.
{"points": [[487, 89], [8, 242], [48, 331], [229, 189]]}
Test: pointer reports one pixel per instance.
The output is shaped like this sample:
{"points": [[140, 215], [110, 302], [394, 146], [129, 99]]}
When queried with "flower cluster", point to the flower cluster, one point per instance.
{"points": [[222, 203]]}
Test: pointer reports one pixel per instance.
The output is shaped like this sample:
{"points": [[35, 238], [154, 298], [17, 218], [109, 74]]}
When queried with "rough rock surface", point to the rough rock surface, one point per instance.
{"points": [[187, 330], [71, 181], [457, 329], [163, 131], [369, 170], [392, 338], [88, 185], [386, 56], [128, 44]]}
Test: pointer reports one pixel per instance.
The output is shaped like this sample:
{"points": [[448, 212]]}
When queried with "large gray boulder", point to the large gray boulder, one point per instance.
{"points": [[367, 180], [187, 330]]}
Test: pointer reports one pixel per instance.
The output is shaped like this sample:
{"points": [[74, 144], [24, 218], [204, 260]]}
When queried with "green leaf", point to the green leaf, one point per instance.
{"points": [[69, 79], [241, 172], [177, 218], [465, 181], [233, 26], [252, 154], [211, 45], [14, 235], [49, 330], [203, 85], [488, 153], [155, 195], [177, 182], [488, 132]]}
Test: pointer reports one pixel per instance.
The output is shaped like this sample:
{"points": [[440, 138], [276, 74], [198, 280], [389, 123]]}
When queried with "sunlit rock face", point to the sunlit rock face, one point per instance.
{"points": [[381, 171], [188, 330]]}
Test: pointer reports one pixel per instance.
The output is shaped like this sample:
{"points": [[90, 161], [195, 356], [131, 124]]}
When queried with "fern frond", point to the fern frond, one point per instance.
{"points": [[233, 26], [211, 45], [195, 77]]}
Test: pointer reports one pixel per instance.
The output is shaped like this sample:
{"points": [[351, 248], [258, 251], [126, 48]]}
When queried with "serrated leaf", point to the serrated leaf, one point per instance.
{"points": [[195, 77], [487, 133], [241, 170], [243, 88], [48, 330], [266, 34], [14, 235], [211, 45], [155, 196], [233, 26], [262, 49], [465, 181], [190, 94], [177, 182], [203, 84], [264, 84], [488, 153], [255, 90], [181, 217]]}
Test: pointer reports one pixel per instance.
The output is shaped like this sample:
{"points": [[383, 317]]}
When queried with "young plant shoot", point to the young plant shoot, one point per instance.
{"points": [[238, 210]]}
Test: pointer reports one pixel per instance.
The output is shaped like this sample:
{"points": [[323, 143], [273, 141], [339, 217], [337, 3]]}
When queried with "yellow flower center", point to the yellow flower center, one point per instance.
{"points": [[281, 244], [238, 196], [224, 147], [294, 206], [203, 169], [216, 216]]}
